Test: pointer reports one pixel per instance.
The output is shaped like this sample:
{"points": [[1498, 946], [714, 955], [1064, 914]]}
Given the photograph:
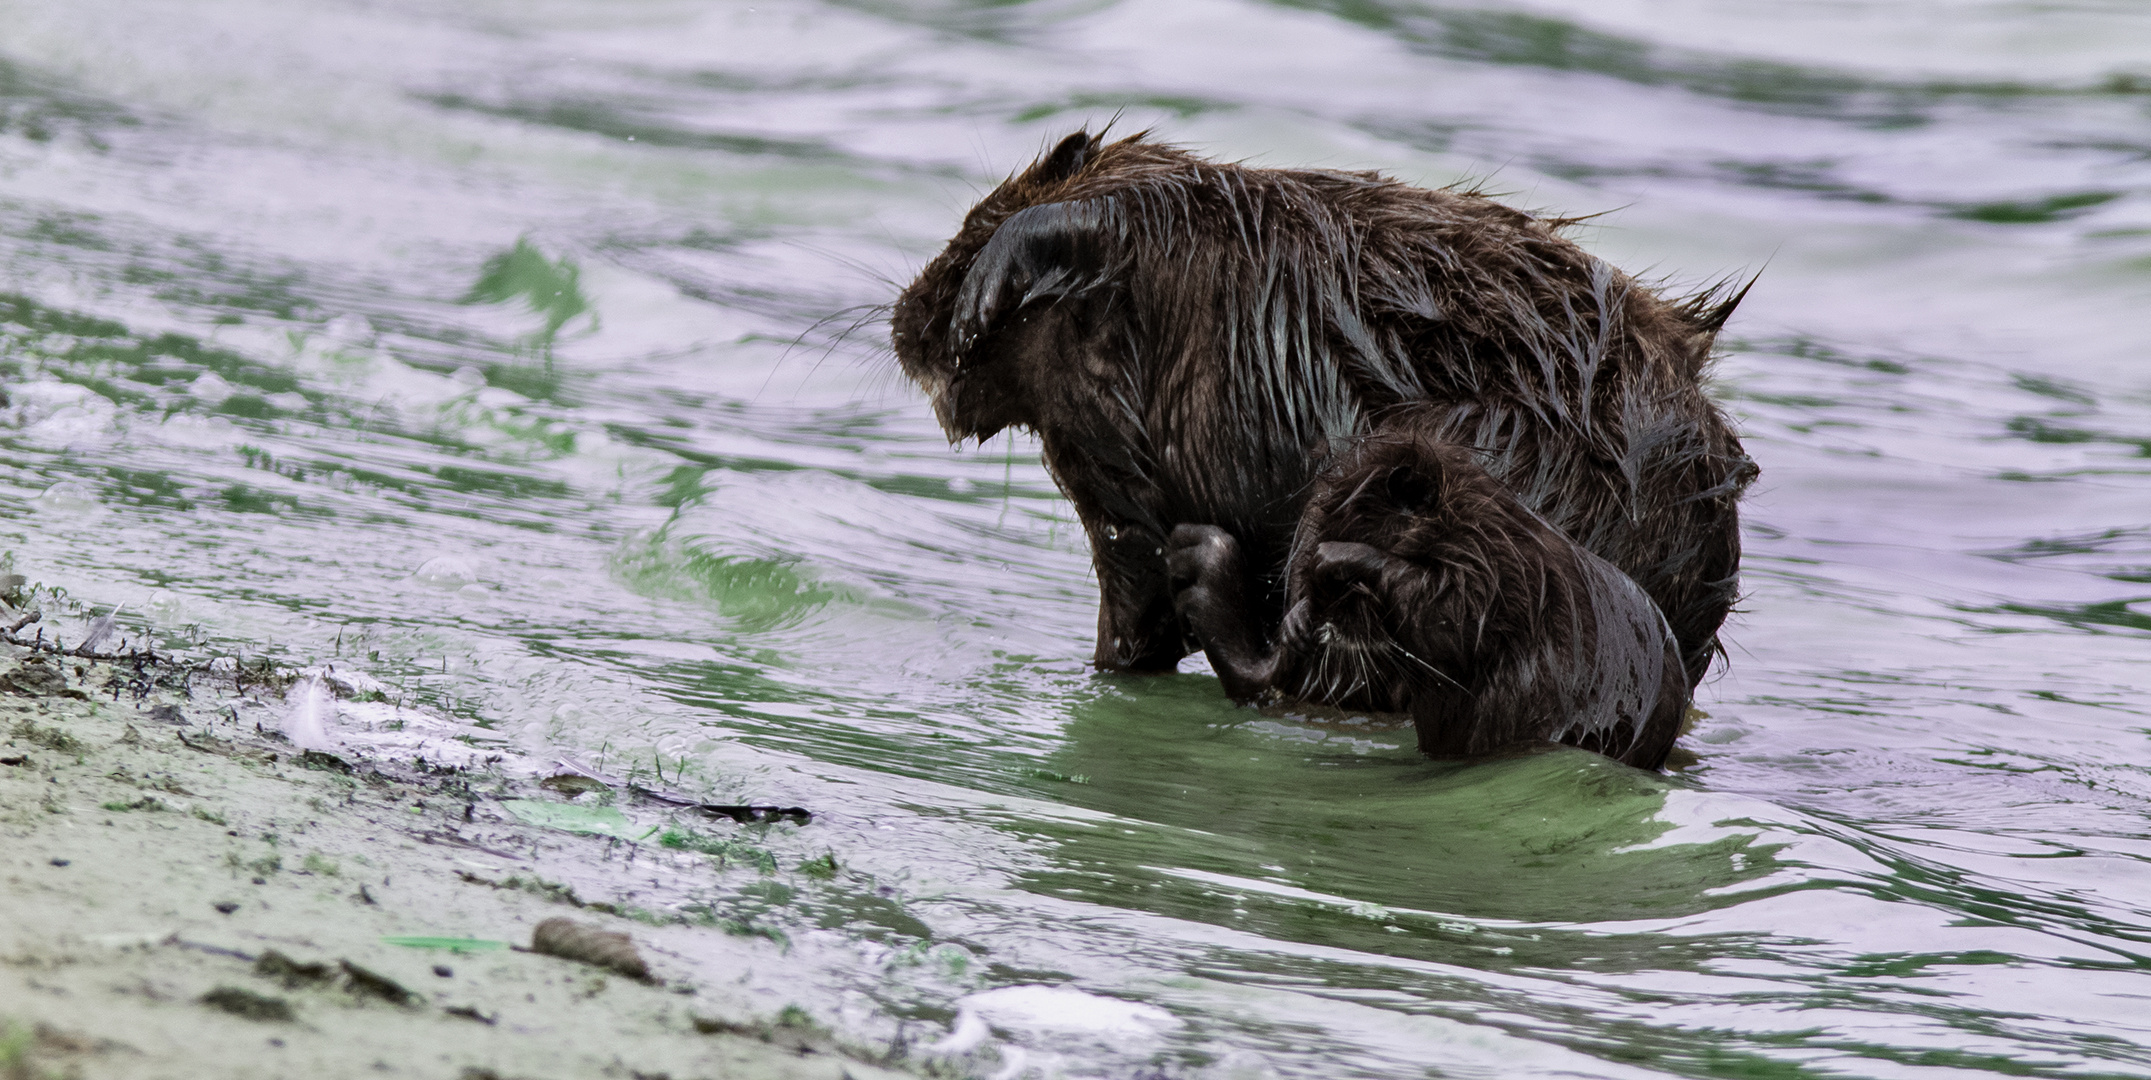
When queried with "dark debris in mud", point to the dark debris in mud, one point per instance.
{"points": [[239, 1001]]}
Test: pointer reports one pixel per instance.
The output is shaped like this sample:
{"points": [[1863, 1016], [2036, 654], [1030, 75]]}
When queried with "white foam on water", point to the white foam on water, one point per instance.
{"points": [[1066, 1009]]}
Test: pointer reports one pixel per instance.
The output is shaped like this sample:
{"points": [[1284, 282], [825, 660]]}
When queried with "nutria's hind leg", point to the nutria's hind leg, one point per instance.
{"points": [[1210, 586]]}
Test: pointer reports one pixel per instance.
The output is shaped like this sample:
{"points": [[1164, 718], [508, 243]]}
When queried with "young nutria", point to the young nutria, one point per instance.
{"points": [[1420, 584], [1191, 340]]}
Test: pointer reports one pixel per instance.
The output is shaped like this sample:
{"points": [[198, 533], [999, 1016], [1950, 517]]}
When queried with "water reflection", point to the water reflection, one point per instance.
{"points": [[1354, 813]]}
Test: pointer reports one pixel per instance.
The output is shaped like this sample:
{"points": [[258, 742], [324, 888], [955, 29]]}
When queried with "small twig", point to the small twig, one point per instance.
{"points": [[118, 656]]}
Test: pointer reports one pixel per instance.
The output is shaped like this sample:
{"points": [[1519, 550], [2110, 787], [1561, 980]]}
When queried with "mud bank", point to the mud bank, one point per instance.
{"points": [[185, 892]]}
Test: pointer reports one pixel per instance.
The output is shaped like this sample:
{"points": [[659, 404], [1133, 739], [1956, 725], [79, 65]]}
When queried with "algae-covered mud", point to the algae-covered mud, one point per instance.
{"points": [[506, 375], [188, 894]]}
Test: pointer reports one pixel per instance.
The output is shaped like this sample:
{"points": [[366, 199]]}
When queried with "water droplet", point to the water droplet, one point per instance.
{"points": [[165, 606], [347, 329], [210, 388], [449, 572], [68, 496]]}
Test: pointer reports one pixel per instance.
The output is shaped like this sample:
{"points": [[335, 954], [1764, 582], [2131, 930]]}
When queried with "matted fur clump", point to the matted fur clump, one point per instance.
{"points": [[1193, 340], [1420, 584]]}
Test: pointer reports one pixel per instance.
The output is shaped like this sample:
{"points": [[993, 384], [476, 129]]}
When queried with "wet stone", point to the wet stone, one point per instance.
{"points": [[571, 940]]}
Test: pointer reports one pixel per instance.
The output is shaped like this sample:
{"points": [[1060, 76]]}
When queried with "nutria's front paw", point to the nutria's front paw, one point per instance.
{"points": [[1198, 554]]}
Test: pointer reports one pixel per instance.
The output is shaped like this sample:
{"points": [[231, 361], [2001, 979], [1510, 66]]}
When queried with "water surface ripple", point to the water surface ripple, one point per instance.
{"points": [[512, 353]]}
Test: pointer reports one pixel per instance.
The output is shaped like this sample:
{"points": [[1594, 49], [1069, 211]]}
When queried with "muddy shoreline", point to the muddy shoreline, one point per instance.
{"points": [[190, 892]]}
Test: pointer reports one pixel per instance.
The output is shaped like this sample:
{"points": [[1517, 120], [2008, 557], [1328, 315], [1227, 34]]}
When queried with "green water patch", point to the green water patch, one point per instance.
{"points": [[1004, 21], [575, 818], [149, 488], [69, 229], [210, 282], [856, 913], [759, 593], [2041, 429], [26, 314], [465, 480], [40, 108], [248, 499], [538, 381], [817, 892], [549, 287], [161, 374], [2032, 211], [2048, 386], [88, 350], [1179, 106], [1202, 793], [1808, 348], [623, 122], [2113, 539], [723, 850], [1548, 42], [461, 946], [1812, 177], [2100, 617]]}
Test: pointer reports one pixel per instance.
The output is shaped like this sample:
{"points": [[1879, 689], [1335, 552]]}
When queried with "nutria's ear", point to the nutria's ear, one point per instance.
{"points": [[1412, 489], [1056, 250], [1066, 160]]}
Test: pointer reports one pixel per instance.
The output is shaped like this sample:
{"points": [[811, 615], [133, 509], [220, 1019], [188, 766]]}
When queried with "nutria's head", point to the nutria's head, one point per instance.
{"points": [[920, 329], [1411, 557], [1404, 493]]}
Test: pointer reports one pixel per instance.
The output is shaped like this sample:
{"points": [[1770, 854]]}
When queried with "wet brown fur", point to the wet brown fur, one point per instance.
{"points": [[1420, 584], [1191, 340]]}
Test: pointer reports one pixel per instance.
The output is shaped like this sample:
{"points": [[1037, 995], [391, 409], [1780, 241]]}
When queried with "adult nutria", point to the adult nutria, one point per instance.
{"points": [[1191, 340], [1420, 584]]}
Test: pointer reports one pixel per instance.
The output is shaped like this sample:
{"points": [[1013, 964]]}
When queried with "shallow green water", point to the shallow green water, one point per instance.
{"points": [[500, 351]]}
